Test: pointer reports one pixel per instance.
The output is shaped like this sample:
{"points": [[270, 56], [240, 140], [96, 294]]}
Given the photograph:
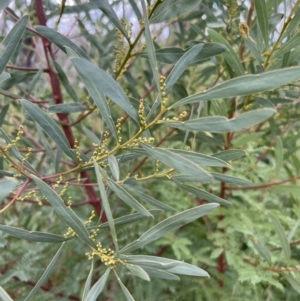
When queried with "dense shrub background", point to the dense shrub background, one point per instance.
{"points": [[87, 88]]}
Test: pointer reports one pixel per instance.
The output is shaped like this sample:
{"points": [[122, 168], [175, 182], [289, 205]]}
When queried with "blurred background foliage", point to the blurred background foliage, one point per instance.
{"points": [[250, 249]]}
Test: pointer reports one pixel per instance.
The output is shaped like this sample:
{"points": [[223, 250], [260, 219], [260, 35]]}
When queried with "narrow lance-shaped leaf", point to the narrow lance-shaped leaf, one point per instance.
{"points": [[127, 295], [110, 13], [148, 199], [4, 295], [60, 40], [278, 154], [170, 9], [203, 194], [6, 187], [4, 4], [127, 198], [245, 85], [170, 224], [45, 274], [114, 167], [32, 235], [230, 56], [67, 108], [106, 206], [49, 126], [3, 112], [166, 264], [65, 82], [137, 271], [181, 65], [11, 41], [150, 49], [176, 161], [98, 287], [218, 124], [126, 219], [96, 79], [4, 76], [262, 18], [201, 159], [64, 212], [282, 237], [88, 282]]}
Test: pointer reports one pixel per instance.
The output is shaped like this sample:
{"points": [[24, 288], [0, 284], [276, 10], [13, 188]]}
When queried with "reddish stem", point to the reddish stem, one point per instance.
{"points": [[63, 118]]}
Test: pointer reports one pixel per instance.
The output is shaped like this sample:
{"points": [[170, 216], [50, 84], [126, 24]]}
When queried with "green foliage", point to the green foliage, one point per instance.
{"points": [[135, 155]]}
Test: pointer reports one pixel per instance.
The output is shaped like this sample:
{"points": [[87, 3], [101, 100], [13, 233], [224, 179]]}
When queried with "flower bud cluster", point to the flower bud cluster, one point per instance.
{"points": [[78, 156], [107, 256], [163, 92], [118, 128], [27, 155], [14, 142], [145, 140], [141, 114], [179, 118]]}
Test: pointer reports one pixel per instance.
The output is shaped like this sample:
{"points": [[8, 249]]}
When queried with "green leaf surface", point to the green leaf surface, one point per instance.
{"points": [[32, 235], [46, 274], [289, 45], [229, 155], [171, 55], [282, 237], [170, 9], [175, 161], [97, 80], [150, 48], [262, 18], [230, 56], [166, 264], [60, 40], [114, 167], [67, 108], [65, 82], [98, 287], [110, 13], [3, 112], [218, 124], [126, 293], [6, 187], [106, 205], [49, 126], [64, 212], [295, 283], [181, 65], [3, 294], [148, 199], [278, 154], [156, 273], [45, 143], [88, 282], [263, 251], [245, 85], [126, 219], [127, 198], [137, 271], [170, 224], [4, 4], [201, 159], [203, 194], [293, 25], [4, 76], [11, 41], [230, 179]]}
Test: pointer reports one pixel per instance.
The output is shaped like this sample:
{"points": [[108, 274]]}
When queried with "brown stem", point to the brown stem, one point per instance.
{"points": [[268, 185], [63, 118]]}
